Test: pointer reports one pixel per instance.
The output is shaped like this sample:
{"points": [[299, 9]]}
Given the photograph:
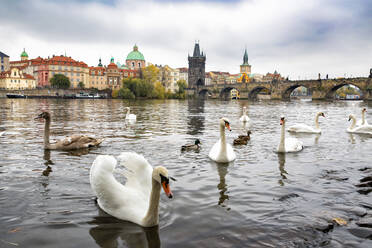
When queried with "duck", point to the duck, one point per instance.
{"points": [[69, 143], [189, 147], [303, 128], [137, 200], [244, 117], [364, 129], [222, 152], [129, 116], [289, 144], [242, 139], [363, 121]]}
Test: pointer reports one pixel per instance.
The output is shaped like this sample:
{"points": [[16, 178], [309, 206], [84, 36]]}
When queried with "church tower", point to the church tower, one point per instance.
{"points": [[196, 68], [245, 67]]}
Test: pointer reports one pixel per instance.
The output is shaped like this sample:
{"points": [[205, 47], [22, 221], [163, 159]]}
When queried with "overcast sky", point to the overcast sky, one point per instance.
{"points": [[298, 38]]}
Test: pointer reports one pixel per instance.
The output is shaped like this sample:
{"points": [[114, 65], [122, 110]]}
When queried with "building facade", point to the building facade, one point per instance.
{"points": [[184, 74], [196, 72], [4, 62], [168, 77], [15, 79]]}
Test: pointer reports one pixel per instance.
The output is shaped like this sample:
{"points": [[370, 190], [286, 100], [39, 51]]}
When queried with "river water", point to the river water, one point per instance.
{"points": [[262, 199]]}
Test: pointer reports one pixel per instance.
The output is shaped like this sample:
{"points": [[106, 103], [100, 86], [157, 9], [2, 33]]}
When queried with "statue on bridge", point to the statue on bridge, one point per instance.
{"points": [[370, 73]]}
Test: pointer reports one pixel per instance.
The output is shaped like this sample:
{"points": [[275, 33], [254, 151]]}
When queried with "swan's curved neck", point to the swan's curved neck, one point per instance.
{"points": [[282, 139], [353, 123], [223, 138], [244, 111], [317, 121], [128, 112], [152, 215], [363, 116], [46, 133]]}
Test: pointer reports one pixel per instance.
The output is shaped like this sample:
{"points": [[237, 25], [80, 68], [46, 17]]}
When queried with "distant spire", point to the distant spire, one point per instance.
{"points": [[245, 57], [100, 64], [196, 50]]}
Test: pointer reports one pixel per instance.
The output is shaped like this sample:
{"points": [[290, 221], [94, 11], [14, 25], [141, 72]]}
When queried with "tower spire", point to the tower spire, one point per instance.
{"points": [[196, 50], [245, 57]]}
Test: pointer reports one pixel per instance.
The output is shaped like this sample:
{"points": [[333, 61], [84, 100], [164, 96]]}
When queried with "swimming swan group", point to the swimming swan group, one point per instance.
{"points": [[137, 200]]}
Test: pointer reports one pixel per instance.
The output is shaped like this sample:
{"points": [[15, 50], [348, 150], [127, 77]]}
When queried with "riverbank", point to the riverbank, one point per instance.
{"points": [[56, 93]]}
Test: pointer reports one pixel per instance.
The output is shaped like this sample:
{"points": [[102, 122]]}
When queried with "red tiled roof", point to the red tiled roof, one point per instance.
{"points": [[112, 66], [28, 76], [183, 69]]}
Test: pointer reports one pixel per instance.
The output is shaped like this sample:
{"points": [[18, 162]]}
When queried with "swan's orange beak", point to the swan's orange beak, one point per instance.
{"points": [[167, 189], [227, 125], [281, 121]]}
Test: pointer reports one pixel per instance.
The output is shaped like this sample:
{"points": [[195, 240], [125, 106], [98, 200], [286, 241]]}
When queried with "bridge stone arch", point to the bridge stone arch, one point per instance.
{"points": [[204, 93], [330, 94], [288, 91], [255, 91], [225, 92]]}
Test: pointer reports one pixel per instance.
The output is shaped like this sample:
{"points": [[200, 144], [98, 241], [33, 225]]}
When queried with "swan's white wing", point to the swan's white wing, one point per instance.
{"points": [[293, 145], [362, 129], [303, 128], [213, 153], [230, 153], [102, 166], [114, 198], [138, 172], [244, 118], [216, 154], [131, 117]]}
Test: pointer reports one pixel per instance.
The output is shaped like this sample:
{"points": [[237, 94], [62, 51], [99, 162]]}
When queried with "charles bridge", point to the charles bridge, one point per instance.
{"points": [[319, 89]]}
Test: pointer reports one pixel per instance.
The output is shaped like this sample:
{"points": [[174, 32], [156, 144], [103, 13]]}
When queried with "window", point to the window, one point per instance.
{"points": [[133, 64], [139, 64], [15, 73]]}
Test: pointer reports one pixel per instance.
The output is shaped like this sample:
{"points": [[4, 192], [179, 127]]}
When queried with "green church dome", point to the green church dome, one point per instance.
{"points": [[135, 54], [24, 54]]}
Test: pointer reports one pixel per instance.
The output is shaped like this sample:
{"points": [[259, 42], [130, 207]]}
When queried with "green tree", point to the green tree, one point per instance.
{"points": [[60, 81], [81, 85], [125, 93], [159, 91], [182, 85]]}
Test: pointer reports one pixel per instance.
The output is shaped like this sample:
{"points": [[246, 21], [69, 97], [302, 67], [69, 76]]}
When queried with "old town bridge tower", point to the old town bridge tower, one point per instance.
{"points": [[196, 68]]}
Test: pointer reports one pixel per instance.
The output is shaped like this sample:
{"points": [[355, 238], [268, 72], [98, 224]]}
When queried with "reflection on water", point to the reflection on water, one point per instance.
{"points": [[47, 163], [196, 119], [283, 172], [222, 169], [109, 232]]}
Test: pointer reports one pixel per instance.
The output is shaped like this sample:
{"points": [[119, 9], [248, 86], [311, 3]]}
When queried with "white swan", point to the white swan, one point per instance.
{"points": [[363, 121], [303, 128], [2, 133], [130, 116], [289, 144], [367, 129], [244, 117], [136, 201], [222, 152]]}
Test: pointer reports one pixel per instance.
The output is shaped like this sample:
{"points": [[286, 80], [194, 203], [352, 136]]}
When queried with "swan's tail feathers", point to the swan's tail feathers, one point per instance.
{"points": [[91, 142], [138, 170]]}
